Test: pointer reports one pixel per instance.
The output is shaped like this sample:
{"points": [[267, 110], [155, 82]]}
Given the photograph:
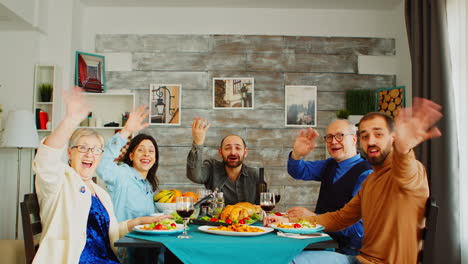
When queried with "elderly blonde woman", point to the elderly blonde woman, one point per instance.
{"points": [[78, 221]]}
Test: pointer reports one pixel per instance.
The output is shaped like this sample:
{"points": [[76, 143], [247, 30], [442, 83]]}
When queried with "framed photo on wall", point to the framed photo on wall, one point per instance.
{"points": [[391, 100], [233, 93], [300, 106], [90, 73], [164, 102]]}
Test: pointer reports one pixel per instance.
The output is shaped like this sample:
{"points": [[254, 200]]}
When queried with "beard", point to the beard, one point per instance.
{"points": [[233, 164], [378, 160]]}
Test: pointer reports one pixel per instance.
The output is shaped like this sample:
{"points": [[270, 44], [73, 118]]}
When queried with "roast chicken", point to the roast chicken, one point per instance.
{"points": [[239, 211]]}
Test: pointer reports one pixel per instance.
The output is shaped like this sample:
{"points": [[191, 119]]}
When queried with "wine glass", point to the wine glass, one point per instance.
{"points": [[267, 202], [184, 208], [276, 191], [205, 205]]}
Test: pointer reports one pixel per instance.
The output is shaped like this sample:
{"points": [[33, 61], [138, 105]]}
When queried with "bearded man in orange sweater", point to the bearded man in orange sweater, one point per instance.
{"points": [[392, 200]]}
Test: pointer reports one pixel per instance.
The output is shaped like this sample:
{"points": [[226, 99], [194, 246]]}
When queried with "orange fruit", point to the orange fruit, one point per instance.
{"points": [[195, 198], [177, 193]]}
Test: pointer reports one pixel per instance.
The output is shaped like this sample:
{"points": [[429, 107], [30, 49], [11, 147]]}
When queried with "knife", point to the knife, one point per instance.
{"points": [[312, 234], [202, 222], [306, 235]]}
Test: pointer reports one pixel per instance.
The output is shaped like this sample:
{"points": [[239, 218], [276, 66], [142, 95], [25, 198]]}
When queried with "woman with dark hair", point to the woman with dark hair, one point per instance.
{"points": [[131, 181]]}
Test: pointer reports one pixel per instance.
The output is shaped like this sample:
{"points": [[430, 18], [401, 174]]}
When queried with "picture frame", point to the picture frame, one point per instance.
{"points": [[90, 73], [165, 104], [233, 93], [390, 100], [300, 106]]}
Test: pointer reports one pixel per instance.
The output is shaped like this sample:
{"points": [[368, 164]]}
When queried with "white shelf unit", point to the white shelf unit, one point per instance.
{"points": [[44, 74], [109, 107]]}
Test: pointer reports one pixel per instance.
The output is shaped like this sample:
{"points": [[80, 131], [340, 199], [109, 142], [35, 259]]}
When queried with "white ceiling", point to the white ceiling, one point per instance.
{"points": [[301, 4]]}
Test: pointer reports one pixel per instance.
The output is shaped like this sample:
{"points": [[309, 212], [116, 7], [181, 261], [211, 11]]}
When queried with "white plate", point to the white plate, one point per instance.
{"points": [[298, 230], [179, 229], [157, 214], [229, 233]]}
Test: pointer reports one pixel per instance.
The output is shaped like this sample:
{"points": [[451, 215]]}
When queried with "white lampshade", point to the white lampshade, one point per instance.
{"points": [[20, 130]]}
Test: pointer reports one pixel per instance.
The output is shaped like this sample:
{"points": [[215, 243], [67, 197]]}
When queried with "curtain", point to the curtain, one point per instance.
{"points": [[426, 23], [457, 11]]}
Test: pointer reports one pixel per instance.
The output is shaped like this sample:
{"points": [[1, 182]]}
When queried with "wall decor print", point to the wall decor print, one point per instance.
{"points": [[391, 100], [233, 93], [165, 104], [301, 105], [90, 73]]}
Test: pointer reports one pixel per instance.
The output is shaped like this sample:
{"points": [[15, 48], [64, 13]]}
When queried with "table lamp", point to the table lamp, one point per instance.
{"points": [[20, 132]]}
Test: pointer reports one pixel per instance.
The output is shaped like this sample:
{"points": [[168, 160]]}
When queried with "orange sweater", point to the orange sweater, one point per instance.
{"points": [[391, 204]]}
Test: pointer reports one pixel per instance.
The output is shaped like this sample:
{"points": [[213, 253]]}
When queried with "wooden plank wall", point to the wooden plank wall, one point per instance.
{"points": [[330, 63]]}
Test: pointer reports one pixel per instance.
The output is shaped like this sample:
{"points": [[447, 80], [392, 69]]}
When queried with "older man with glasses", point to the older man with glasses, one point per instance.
{"points": [[341, 175]]}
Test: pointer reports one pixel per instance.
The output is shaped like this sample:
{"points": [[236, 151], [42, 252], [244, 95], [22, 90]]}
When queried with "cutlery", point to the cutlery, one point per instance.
{"points": [[306, 235], [202, 222]]}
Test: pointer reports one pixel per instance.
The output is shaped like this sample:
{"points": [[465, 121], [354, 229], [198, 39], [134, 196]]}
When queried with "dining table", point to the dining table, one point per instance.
{"points": [[209, 248]]}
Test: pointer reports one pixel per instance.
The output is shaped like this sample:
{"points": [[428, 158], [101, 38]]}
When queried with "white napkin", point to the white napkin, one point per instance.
{"points": [[299, 236]]}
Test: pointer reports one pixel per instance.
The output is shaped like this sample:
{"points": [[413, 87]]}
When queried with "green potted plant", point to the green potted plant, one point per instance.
{"points": [[342, 114], [359, 103], [45, 91]]}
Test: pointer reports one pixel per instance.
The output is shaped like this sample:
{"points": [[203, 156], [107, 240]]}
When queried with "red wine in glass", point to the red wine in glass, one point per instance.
{"points": [[185, 213], [267, 208], [277, 198]]}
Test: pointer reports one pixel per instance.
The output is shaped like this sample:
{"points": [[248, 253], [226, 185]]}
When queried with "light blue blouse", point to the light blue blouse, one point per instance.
{"points": [[131, 195]]}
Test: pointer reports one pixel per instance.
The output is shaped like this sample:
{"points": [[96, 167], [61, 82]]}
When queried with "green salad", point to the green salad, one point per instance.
{"points": [[166, 224], [247, 221], [306, 224]]}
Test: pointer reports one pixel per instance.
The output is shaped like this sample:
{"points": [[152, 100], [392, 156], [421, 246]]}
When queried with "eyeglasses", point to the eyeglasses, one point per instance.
{"points": [[339, 137], [85, 149]]}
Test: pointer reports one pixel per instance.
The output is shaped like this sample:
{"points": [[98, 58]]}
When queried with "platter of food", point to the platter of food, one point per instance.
{"points": [[164, 227], [236, 230], [302, 227], [241, 213]]}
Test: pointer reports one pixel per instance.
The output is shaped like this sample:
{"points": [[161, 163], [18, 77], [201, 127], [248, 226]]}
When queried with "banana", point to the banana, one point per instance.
{"points": [[161, 194], [167, 198]]}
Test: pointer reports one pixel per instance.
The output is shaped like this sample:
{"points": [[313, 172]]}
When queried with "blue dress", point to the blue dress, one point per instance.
{"points": [[97, 249]]}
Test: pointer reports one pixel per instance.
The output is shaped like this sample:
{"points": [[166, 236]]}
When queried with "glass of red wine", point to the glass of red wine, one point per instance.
{"points": [[267, 202], [206, 205], [184, 208], [276, 191]]}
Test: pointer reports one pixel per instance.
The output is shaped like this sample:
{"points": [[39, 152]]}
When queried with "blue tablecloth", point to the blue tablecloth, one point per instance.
{"points": [[204, 248]]}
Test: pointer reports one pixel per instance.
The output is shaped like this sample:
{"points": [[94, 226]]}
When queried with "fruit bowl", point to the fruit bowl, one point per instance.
{"points": [[165, 207]]}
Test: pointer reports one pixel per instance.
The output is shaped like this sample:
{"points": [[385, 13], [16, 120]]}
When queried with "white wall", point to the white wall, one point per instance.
{"points": [[18, 53]]}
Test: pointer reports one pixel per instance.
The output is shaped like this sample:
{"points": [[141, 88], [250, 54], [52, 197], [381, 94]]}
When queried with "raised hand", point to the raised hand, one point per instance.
{"points": [[305, 143], [199, 128], [77, 108], [299, 212], [416, 124], [137, 120]]}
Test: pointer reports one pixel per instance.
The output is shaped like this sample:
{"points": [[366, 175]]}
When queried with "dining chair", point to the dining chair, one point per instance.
{"points": [[426, 256], [32, 227]]}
